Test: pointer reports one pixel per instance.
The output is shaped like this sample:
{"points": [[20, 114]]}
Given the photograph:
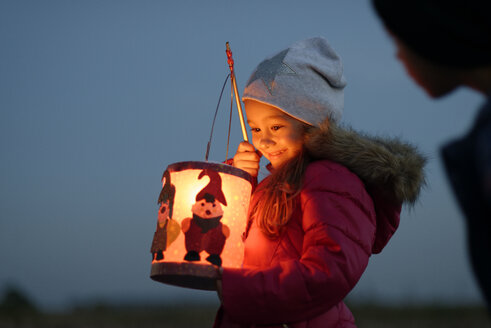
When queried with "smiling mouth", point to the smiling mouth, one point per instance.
{"points": [[276, 153]]}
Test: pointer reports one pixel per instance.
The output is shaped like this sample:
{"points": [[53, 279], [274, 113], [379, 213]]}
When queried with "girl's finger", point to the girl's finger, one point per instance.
{"points": [[244, 146], [247, 156]]}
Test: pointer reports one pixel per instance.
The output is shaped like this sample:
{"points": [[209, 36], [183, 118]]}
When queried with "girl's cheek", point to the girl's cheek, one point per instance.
{"points": [[255, 142]]}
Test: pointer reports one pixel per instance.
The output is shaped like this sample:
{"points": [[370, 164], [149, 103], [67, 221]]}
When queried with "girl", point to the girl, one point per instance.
{"points": [[332, 199]]}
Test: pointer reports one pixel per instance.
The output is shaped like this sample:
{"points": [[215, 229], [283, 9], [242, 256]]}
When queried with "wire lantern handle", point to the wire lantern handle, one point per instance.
{"points": [[208, 145], [234, 94]]}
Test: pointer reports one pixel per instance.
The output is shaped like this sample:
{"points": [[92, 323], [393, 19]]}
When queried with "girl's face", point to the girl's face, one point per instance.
{"points": [[276, 135]]}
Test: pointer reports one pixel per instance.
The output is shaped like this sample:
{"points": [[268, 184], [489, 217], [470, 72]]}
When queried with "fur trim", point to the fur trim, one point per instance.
{"points": [[385, 164]]}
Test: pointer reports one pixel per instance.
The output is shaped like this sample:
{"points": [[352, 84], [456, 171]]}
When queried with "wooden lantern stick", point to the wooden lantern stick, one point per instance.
{"points": [[230, 62]]}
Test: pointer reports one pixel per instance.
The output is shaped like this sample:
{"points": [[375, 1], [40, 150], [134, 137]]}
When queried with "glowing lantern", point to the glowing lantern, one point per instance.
{"points": [[202, 216]]}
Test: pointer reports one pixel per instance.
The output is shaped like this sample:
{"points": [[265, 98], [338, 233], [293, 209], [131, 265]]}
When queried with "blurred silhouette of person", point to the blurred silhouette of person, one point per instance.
{"points": [[444, 45]]}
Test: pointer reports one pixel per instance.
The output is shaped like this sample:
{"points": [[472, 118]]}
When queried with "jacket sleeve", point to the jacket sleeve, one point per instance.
{"points": [[338, 232]]}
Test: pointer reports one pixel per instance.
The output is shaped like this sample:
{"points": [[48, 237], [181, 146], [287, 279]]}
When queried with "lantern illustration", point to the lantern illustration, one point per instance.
{"points": [[201, 218]]}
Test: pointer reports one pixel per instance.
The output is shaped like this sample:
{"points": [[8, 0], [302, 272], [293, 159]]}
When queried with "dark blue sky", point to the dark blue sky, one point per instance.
{"points": [[98, 97]]}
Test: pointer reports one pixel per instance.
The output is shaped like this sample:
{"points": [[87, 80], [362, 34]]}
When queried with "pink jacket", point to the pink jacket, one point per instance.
{"points": [[301, 278]]}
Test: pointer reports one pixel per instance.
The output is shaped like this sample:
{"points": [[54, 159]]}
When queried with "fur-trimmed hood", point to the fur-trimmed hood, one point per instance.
{"points": [[391, 170], [388, 164]]}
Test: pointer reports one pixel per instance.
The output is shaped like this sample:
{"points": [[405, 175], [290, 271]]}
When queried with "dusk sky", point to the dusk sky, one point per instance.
{"points": [[98, 97]]}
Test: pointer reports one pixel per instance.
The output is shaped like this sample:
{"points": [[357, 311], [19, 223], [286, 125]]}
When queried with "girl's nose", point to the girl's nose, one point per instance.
{"points": [[266, 141]]}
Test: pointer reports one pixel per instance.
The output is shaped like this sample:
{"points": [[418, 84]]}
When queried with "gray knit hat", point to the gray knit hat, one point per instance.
{"points": [[305, 81]]}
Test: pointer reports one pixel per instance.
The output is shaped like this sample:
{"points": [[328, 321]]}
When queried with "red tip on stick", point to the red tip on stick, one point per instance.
{"points": [[230, 60]]}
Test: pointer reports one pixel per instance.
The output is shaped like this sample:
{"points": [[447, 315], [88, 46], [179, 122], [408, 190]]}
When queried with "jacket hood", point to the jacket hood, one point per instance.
{"points": [[392, 170]]}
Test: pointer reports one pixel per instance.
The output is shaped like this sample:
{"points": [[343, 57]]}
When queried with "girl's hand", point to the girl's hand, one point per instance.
{"points": [[247, 158]]}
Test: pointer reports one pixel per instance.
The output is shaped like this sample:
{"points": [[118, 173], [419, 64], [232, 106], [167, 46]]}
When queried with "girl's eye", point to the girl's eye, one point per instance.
{"points": [[255, 130], [276, 127]]}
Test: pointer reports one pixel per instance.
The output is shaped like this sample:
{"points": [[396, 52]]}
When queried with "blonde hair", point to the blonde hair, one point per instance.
{"points": [[275, 207]]}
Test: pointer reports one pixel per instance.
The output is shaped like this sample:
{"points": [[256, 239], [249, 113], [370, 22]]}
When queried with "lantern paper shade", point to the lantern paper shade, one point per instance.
{"points": [[201, 219]]}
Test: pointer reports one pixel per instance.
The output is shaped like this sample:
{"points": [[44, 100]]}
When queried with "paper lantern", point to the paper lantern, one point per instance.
{"points": [[201, 220]]}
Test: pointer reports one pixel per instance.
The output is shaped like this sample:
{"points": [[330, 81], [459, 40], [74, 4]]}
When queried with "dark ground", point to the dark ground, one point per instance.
{"points": [[189, 316]]}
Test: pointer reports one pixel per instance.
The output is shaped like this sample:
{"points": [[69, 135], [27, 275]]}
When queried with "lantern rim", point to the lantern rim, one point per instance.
{"points": [[216, 166]]}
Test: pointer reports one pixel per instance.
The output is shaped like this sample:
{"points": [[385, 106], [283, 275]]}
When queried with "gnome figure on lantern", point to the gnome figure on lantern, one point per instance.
{"points": [[167, 228], [204, 231]]}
